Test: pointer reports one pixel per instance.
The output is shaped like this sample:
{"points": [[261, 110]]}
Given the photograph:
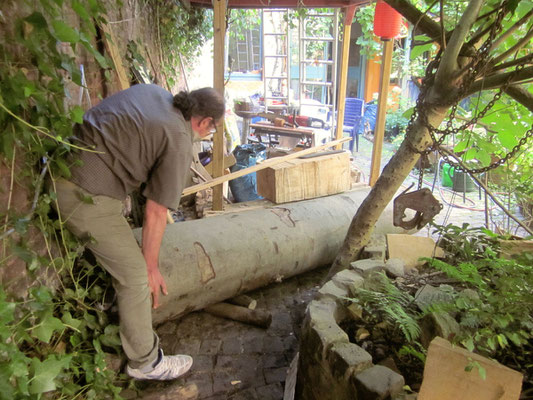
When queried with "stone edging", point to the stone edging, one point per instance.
{"points": [[330, 366]]}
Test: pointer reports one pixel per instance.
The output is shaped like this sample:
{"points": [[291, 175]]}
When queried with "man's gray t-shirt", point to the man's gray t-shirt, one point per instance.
{"points": [[143, 138]]}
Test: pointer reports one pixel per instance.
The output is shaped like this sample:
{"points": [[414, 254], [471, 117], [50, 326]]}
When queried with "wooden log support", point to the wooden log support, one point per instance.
{"points": [[244, 301], [260, 318], [219, 28], [343, 79], [379, 131]]}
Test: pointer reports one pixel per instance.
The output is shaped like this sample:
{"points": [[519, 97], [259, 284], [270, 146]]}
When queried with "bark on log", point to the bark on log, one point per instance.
{"points": [[210, 260], [260, 318]]}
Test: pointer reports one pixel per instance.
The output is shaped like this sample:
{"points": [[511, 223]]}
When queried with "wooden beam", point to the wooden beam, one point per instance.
{"points": [[219, 25], [112, 49], [379, 131], [268, 163], [343, 79]]}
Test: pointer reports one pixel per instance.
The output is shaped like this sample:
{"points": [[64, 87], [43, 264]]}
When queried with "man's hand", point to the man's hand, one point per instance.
{"points": [[156, 282], [155, 221]]}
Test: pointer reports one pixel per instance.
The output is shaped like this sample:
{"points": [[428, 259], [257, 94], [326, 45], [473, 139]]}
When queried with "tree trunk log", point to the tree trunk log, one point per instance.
{"points": [[210, 260]]}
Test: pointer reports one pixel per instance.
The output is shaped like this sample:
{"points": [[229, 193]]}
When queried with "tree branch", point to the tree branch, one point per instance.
{"points": [[498, 80], [521, 95], [513, 28], [521, 43], [449, 63], [417, 18], [522, 60]]}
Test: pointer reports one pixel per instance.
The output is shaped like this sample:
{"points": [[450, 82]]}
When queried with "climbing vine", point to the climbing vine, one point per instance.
{"points": [[57, 338]]}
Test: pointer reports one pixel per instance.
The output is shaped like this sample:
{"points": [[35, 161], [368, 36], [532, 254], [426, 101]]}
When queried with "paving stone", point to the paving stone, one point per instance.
{"points": [[189, 346], [273, 344], [247, 394], [290, 343], [365, 267], [270, 392], [168, 328], [274, 360], [210, 346], [203, 381], [232, 345], [222, 382], [273, 375], [202, 363], [252, 344]]}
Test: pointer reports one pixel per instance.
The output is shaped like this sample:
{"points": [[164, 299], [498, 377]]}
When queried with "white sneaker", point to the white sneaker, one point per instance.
{"points": [[167, 368]]}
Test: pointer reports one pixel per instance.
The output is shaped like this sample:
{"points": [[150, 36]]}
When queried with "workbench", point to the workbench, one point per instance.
{"points": [[274, 134]]}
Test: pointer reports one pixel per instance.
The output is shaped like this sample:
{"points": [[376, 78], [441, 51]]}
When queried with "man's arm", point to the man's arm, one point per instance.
{"points": [[155, 220]]}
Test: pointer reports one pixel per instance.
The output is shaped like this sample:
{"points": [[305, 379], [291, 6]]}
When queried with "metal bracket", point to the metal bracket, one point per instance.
{"points": [[421, 201]]}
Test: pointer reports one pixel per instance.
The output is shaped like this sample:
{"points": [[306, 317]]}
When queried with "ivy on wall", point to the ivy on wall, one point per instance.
{"points": [[56, 339]]}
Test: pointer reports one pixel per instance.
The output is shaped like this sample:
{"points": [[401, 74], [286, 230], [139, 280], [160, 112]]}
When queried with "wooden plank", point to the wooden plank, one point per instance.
{"points": [[258, 167], [303, 179], [379, 131], [219, 28], [410, 248], [114, 53], [445, 377], [343, 79]]}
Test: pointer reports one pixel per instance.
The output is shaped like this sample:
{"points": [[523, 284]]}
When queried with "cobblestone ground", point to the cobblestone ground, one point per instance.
{"points": [[232, 360]]}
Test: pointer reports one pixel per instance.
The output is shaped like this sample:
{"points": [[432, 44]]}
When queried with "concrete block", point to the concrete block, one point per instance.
{"points": [[395, 267], [347, 279], [349, 358], [379, 383], [333, 291], [322, 310], [445, 376], [321, 336], [365, 267], [376, 252]]}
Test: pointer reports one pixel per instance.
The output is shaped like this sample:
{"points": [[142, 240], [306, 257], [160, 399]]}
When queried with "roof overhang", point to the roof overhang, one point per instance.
{"points": [[282, 3]]}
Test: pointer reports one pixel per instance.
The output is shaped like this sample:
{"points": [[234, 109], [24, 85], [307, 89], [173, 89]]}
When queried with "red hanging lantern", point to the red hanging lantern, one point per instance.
{"points": [[387, 21]]}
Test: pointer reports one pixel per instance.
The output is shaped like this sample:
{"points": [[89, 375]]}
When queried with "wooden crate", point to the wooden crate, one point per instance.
{"points": [[301, 179]]}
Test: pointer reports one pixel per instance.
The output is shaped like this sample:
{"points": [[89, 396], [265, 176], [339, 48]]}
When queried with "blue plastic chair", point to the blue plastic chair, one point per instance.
{"points": [[353, 115]]}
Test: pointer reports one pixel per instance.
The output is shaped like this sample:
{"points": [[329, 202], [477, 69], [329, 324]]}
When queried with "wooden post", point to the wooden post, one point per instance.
{"points": [[379, 131], [348, 17], [219, 27]]}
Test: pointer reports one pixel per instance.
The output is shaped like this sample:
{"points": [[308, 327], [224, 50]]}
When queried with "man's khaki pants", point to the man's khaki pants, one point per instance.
{"points": [[117, 251]]}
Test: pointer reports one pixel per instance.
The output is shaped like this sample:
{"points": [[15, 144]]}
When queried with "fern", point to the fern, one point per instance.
{"points": [[390, 304]]}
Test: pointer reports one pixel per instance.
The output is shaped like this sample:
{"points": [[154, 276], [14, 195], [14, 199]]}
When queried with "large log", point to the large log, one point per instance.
{"points": [[210, 260]]}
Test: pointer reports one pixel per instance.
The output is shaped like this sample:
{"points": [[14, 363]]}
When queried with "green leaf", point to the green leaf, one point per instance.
{"points": [[65, 170], [65, 33], [37, 20], [45, 372], [460, 146], [48, 325], [507, 139], [468, 343], [77, 114], [511, 5], [68, 320], [80, 10], [418, 50]]}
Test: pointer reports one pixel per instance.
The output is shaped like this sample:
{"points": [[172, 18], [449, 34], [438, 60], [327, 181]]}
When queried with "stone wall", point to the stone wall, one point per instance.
{"points": [[330, 367], [134, 20]]}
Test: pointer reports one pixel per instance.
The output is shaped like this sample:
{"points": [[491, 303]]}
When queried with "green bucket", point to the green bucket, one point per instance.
{"points": [[462, 182], [447, 175]]}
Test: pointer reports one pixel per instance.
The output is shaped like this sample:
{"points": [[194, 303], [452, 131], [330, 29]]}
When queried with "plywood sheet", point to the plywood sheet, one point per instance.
{"points": [[445, 377], [410, 248]]}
